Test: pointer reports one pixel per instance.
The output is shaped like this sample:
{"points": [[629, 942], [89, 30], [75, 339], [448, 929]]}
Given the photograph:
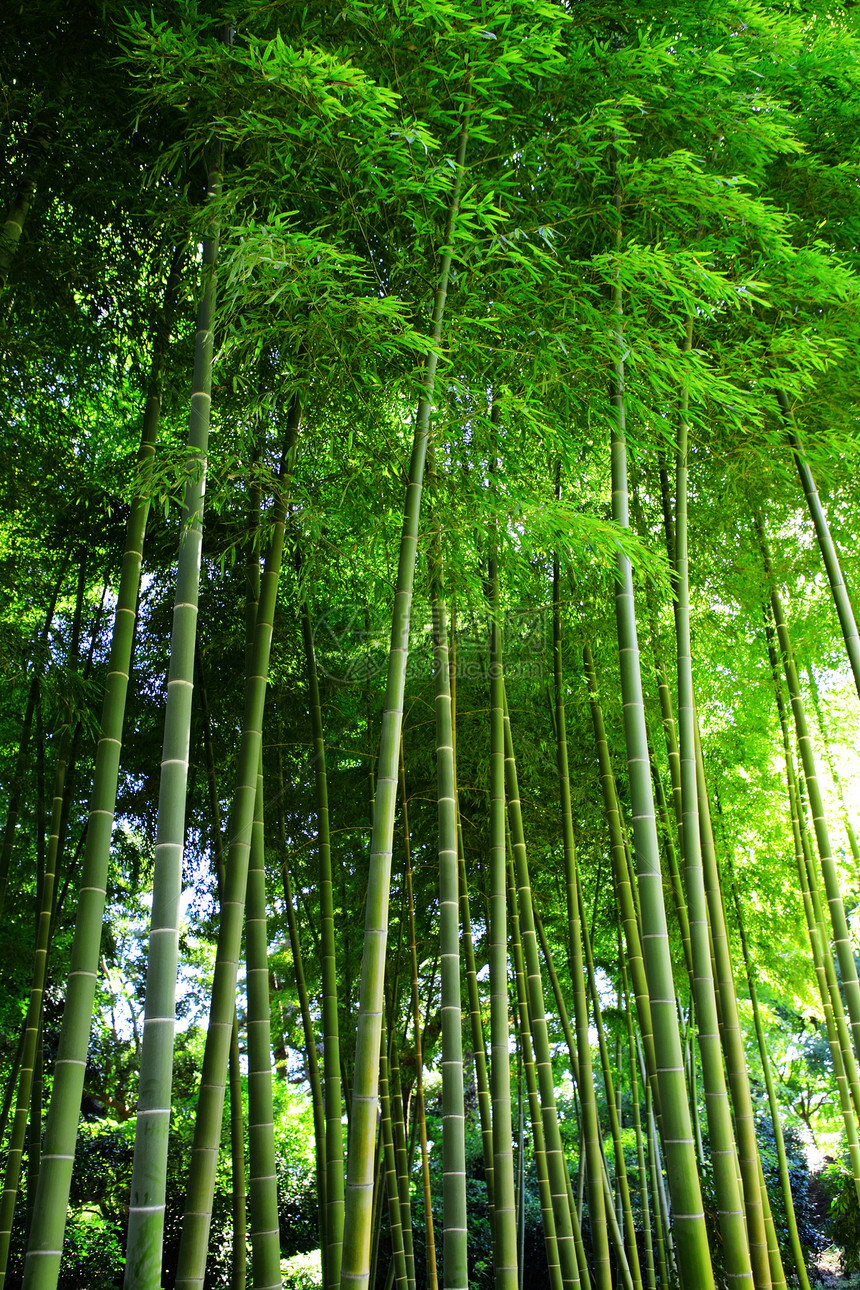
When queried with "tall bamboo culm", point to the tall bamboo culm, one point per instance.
{"points": [[42, 1263], [200, 1186], [333, 1225], [756, 1202], [590, 1141], [556, 1164], [826, 544], [528, 1069], [744, 1244], [694, 1259], [455, 1267], [355, 1268], [149, 1170], [841, 934]]}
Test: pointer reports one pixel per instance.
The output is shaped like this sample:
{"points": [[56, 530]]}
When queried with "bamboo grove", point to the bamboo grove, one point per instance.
{"points": [[433, 426]]}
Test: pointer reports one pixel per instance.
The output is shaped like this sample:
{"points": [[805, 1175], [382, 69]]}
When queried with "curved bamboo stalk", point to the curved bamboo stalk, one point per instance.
{"points": [[841, 934], [834, 774], [825, 541], [782, 1159], [355, 1268], [844, 1065], [263, 1182]]}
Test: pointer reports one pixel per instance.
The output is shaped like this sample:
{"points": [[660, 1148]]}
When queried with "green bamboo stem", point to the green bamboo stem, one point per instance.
{"points": [[670, 729], [574, 1202], [418, 1122], [583, 1074], [263, 1182], [10, 827], [844, 1065], [626, 1250], [650, 1270], [744, 1246], [694, 1260], [841, 934], [238, 1191], [333, 1226], [12, 1082], [34, 1130], [779, 1141], [392, 1188], [624, 1219], [756, 1205], [454, 1237], [210, 1104], [15, 1145], [504, 1204], [556, 1163], [777, 1271], [521, 1168], [25, 190], [834, 774], [623, 889], [844, 1062], [479, 1051], [149, 1170], [378, 1189], [825, 541], [362, 1126], [674, 872], [311, 1051], [402, 1158], [661, 1215], [554, 1272]]}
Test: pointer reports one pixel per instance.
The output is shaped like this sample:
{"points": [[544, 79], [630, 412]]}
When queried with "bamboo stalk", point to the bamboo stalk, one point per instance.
{"points": [[841, 934], [362, 1126]]}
